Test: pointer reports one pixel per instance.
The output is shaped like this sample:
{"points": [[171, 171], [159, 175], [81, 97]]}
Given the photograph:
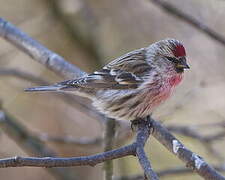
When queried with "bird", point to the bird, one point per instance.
{"points": [[132, 86]]}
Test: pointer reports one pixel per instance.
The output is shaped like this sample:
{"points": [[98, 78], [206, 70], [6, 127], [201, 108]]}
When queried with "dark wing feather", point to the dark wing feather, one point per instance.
{"points": [[122, 73]]}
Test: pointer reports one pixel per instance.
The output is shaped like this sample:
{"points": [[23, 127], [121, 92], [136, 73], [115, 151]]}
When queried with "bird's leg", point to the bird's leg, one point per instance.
{"points": [[149, 122], [135, 123], [146, 121]]}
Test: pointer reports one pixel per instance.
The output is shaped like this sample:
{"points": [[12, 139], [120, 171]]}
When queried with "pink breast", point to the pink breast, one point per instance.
{"points": [[175, 80], [170, 84], [165, 91], [152, 99]]}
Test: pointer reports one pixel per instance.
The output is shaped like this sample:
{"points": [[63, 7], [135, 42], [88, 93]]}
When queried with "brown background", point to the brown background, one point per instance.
{"points": [[110, 28]]}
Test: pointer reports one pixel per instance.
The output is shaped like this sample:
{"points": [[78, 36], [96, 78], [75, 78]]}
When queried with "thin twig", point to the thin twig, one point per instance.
{"points": [[21, 74], [191, 159], [135, 148], [173, 10], [110, 131], [66, 162], [31, 144], [168, 172], [142, 137], [190, 132], [206, 141], [75, 101], [85, 41], [83, 141], [37, 51], [184, 170]]}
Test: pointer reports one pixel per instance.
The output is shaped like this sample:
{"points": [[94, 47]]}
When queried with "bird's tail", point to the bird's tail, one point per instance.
{"points": [[45, 88]]}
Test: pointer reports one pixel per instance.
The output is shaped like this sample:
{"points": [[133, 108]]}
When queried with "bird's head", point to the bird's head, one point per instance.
{"points": [[169, 54]]}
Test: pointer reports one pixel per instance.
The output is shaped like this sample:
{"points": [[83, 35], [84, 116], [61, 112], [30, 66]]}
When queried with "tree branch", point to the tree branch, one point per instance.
{"points": [[191, 159], [57, 64], [87, 41], [31, 144], [66, 162], [136, 148], [109, 135], [168, 172], [142, 137], [23, 75], [68, 98], [37, 51], [83, 141], [171, 9], [206, 140]]}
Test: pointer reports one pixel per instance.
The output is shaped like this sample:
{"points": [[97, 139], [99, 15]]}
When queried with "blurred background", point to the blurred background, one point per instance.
{"points": [[90, 33]]}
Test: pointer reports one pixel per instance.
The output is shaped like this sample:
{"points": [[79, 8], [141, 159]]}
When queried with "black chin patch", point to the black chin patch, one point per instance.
{"points": [[179, 70]]}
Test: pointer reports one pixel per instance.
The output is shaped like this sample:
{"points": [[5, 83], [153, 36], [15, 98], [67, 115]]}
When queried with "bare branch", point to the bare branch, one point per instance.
{"points": [[206, 140], [171, 9], [59, 65], [133, 149], [190, 132], [184, 170], [65, 162], [109, 135], [86, 41], [19, 133], [31, 144], [23, 75], [168, 172], [142, 137], [75, 101], [191, 159], [134, 177], [37, 51], [83, 141]]}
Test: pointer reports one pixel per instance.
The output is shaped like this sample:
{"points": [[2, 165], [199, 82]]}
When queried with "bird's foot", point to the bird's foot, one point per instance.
{"points": [[145, 121], [135, 123]]}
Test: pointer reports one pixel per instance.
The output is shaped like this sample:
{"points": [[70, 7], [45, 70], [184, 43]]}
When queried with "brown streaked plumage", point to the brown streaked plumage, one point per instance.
{"points": [[133, 85]]}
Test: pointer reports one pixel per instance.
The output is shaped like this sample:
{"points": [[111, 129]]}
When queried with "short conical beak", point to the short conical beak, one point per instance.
{"points": [[182, 64]]}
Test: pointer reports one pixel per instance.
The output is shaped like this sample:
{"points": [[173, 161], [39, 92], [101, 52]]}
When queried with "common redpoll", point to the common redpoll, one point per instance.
{"points": [[133, 85]]}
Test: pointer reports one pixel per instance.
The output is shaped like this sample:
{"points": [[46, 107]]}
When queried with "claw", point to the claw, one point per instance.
{"points": [[134, 123]]}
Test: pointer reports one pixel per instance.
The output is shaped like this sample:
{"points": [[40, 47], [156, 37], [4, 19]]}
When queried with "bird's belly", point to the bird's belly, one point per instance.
{"points": [[122, 105], [164, 92], [152, 101], [137, 106]]}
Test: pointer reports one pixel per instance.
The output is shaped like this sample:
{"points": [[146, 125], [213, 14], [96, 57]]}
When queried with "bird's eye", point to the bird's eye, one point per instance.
{"points": [[172, 59]]}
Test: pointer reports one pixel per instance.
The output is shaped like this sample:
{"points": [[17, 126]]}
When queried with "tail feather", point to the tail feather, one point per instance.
{"points": [[44, 88]]}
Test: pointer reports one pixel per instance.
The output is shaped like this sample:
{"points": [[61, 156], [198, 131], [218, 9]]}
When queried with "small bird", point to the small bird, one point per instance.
{"points": [[133, 85]]}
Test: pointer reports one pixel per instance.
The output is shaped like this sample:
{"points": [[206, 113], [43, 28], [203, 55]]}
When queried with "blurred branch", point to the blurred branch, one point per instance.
{"points": [[30, 144], [191, 132], [109, 135], [183, 170], [207, 141], [86, 41], [22, 75], [168, 172], [173, 10], [136, 148], [142, 137], [75, 101], [37, 51], [70, 140], [191, 159], [134, 177], [56, 63]]}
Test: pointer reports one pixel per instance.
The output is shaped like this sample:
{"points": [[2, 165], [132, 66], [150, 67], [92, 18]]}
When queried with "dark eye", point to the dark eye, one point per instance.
{"points": [[173, 59]]}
